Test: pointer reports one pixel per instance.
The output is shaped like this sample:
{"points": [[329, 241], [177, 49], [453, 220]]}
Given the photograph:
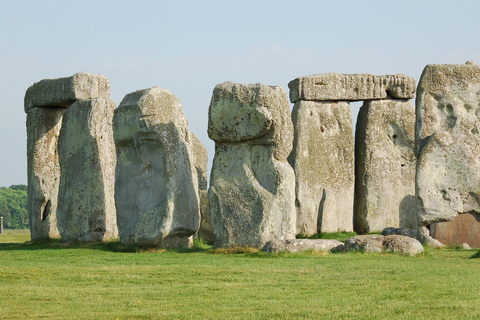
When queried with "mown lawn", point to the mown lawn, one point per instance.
{"points": [[100, 281]]}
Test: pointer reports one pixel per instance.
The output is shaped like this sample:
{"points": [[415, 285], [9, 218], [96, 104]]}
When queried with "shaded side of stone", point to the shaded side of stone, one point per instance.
{"points": [[323, 160], [465, 228], [385, 166], [251, 195], [43, 129], [63, 92], [86, 211], [156, 184], [351, 87]]}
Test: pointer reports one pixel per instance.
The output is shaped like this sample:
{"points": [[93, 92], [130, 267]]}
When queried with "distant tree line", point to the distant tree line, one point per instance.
{"points": [[13, 206]]}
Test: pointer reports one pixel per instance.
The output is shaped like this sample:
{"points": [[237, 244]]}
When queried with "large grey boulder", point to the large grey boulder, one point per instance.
{"points": [[86, 209], [156, 184], [448, 142], [298, 245], [43, 170], [351, 87], [385, 166], [323, 161], [378, 243], [63, 92], [252, 186]]}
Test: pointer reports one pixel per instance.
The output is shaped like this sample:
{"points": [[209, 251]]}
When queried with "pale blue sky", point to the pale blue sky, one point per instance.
{"points": [[190, 46]]}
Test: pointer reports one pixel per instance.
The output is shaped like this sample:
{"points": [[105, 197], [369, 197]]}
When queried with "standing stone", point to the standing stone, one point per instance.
{"points": [[448, 143], [86, 210], [252, 186], [45, 103], [43, 129], [156, 185], [323, 160], [205, 231], [385, 166]]}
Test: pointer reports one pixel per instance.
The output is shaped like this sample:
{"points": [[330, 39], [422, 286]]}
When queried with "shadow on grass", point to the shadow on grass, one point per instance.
{"points": [[476, 255]]}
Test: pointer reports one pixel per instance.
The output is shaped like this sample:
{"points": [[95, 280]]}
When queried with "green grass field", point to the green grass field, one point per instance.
{"points": [[105, 281]]}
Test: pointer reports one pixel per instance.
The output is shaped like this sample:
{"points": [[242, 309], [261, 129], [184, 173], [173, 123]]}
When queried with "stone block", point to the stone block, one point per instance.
{"points": [[448, 142], [251, 193], [86, 210], [63, 92], [463, 229], [156, 184], [385, 166], [351, 87], [323, 161], [43, 129]]}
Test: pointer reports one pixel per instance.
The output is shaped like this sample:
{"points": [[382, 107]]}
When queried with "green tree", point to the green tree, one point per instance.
{"points": [[13, 207]]}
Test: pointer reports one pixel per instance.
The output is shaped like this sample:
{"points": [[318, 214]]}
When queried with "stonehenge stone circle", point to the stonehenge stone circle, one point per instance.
{"points": [[252, 186], [323, 154], [156, 184], [86, 209], [351, 87], [323, 161], [385, 166], [448, 143], [45, 102]]}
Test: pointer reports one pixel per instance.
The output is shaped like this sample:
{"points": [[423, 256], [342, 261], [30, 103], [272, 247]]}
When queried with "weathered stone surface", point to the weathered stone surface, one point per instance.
{"points": [[463, 229], [323, 160], [448, 142], [156, 185], [377, 243], [385, 166], [297, 245], [43, 129], [86, 210], [251, 193], [408, 232], [63, 92], [351, 87]]}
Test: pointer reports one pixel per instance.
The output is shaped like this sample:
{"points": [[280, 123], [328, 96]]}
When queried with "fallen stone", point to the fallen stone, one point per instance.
{"points": [[63, 92], [385, 166], [156, 184], [87, 158], [43, 129], [378, 243], [448, 142], [298, 245], [323, 161], [252, 186], [466, 246], [408, 232], [351, 87]]}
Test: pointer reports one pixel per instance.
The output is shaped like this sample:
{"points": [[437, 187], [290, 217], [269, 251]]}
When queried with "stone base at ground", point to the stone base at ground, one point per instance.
{"points": [[297, 245], [176, 242], [378, 243]]}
